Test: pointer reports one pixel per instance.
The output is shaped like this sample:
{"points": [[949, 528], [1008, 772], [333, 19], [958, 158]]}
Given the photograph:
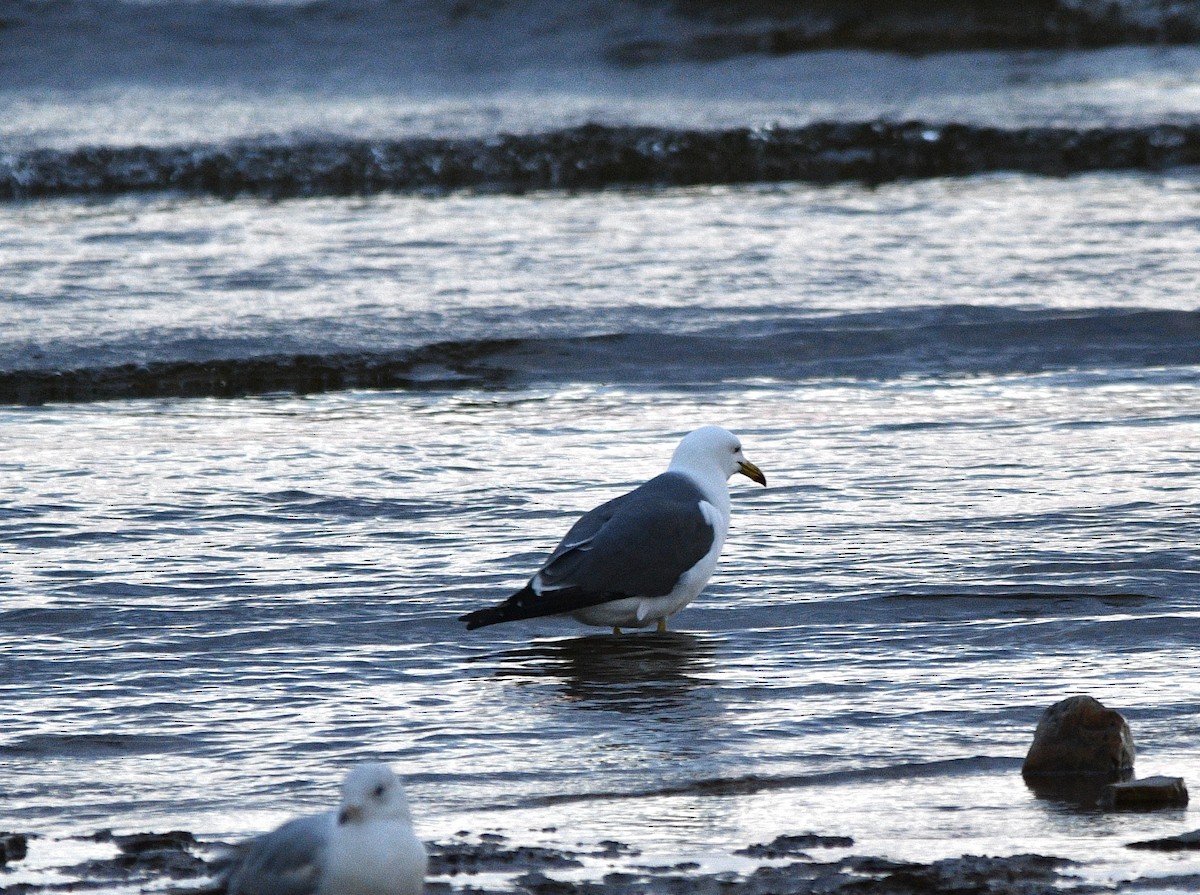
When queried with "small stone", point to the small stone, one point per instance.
{"points": [[138, 843], [1079, 736], [13, 847], [610, 848], [1145, 794], [539, 884]]}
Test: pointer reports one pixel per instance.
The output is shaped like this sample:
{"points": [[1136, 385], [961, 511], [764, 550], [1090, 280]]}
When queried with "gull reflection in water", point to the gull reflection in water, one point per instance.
{"points": [[633, 672]]}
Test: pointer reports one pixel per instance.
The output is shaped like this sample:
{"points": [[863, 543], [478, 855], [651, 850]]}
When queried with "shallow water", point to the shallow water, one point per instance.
{"points": [[213, 607], [112, 73]]}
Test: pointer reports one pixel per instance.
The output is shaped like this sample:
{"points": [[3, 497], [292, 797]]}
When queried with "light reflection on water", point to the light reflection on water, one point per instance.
{"points": [[82, 285]]}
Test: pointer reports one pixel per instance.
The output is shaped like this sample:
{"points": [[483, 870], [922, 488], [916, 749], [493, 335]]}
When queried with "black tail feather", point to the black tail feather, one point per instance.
{"points": [[481, 618], [520, 605], [527, 604]]}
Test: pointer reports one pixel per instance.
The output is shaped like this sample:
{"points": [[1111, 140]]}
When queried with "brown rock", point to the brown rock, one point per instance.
{"points": [[1079, 736], [1145, 794]]}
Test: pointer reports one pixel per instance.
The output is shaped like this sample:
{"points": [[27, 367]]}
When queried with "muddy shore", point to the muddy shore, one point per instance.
{"points": [[489, 863]]}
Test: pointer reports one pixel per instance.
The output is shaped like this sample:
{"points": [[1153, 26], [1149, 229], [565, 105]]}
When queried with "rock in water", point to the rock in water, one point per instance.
{"points": [[12, 847], [1079, 736], [1145, 794], [1182, 842]]}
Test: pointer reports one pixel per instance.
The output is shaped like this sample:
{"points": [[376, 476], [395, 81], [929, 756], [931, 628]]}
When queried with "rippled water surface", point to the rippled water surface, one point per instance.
{"points": [[98, 283], [104, 72], [977, 404]]}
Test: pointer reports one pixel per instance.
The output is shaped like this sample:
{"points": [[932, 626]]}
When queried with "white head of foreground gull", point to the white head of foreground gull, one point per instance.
{"points": [[641, 557], [366, 847]]}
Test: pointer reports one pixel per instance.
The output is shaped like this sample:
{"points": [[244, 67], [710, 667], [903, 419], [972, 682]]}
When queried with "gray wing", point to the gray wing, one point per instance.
{"points": [[287, 861], [638, 544]]}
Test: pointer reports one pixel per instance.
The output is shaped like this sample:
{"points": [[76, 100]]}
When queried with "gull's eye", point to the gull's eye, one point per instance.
{"points": [[378, 792]]}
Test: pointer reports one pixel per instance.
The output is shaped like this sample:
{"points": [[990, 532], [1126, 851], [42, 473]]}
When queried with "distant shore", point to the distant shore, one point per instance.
{"points": [[777, 27]]}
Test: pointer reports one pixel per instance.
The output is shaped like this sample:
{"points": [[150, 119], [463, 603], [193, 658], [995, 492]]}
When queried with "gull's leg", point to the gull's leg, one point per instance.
{"points": [[662, 626], [616, 630]]}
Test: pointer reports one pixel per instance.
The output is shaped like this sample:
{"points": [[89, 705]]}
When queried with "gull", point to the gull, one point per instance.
{"points": [[366, 847], [641, 557]]}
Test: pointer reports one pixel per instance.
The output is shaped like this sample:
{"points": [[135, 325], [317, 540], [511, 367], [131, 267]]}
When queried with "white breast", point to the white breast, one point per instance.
{"points": [[382, 857]]}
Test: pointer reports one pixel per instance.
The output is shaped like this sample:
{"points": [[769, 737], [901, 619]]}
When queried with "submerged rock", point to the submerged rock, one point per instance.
{"points": [[13, 847], [1080, 737], [977, 873], [490, 855], [439, 365], [1182, 842], [140, 843], [1145, 794], [788, 846]]}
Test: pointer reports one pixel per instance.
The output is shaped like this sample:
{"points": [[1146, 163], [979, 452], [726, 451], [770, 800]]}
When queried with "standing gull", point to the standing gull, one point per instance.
{"points": [[366, 847], [643, 556]]}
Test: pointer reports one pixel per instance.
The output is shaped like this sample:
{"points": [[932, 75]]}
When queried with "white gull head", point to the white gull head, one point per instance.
{"points": [[371, 791], [710, 455]]}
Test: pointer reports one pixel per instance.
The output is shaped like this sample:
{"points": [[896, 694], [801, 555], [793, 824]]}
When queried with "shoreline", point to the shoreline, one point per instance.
{"points": [[490, 864]]}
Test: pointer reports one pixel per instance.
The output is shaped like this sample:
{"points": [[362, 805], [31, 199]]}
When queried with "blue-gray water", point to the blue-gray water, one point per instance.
{"points": [[977, 403]]}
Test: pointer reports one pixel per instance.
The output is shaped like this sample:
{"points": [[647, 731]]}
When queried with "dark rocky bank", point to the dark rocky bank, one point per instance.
{"points": [[594, 157], [433, 366], [178, 861]]}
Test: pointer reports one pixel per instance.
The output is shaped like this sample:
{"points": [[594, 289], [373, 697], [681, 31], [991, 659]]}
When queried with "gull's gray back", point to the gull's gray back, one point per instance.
{"points": [[638, 544]]}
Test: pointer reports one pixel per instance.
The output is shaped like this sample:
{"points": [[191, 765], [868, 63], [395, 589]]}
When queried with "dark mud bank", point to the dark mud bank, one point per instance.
{"points": [[595, 157]]}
